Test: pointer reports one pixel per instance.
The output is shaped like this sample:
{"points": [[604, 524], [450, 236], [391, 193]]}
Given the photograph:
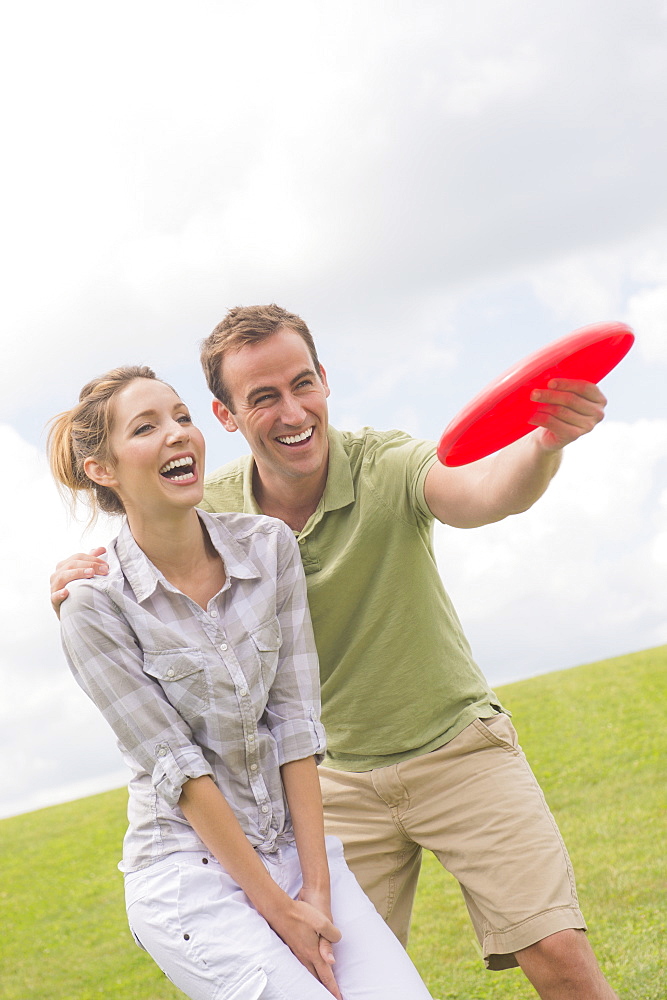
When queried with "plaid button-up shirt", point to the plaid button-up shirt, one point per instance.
{"points": [[231, 691]]}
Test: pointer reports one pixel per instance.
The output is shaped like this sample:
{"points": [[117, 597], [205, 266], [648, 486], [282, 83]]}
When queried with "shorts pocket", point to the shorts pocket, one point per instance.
{"points": [[500, 732]]}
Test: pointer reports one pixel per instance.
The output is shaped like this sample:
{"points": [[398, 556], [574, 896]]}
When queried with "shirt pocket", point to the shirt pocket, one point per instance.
{"points": [[267, 640], [182, 676]]}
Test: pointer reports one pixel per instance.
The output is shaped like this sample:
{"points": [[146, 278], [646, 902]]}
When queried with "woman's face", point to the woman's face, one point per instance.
{"points": [[157, 452]]}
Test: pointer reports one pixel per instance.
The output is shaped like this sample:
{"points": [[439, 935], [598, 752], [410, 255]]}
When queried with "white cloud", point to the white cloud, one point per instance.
{"points": [[163, 173], [647, 311], [48, 728], [437, 188]]}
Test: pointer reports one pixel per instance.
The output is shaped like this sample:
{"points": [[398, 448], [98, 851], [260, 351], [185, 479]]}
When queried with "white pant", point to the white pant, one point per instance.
{"points": [[205, 935]]}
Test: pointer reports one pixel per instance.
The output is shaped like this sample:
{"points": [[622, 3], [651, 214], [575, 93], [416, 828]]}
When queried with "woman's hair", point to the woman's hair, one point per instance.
{"points": [[83, 432]]}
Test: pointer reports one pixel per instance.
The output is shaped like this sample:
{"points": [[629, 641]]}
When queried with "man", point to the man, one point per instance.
{"points": [[420, 752]]}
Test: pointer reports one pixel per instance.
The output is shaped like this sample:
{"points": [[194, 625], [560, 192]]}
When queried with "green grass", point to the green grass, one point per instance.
{"points": [[596, 738]]}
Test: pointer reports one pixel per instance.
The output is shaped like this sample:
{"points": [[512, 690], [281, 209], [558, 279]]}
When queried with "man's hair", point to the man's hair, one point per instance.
{"points": [[247, 325]]}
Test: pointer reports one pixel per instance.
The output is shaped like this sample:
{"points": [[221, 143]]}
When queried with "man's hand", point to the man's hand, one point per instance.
{"points": [[568, 409], [512, 479], [77, 567]]}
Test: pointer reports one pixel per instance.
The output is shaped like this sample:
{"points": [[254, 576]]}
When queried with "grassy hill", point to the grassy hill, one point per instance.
{"points": [[597, 740]]}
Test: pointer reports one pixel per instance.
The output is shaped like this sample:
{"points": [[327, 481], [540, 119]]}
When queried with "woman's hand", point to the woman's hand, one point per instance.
{"points": [[309, 934]]}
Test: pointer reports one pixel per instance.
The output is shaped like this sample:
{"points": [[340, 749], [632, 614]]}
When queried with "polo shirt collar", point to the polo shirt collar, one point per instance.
{"points": [[144, 577], [339, 489]]}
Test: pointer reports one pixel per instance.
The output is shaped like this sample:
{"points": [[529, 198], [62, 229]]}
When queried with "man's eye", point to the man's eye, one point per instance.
{"points": [[305, 383], [263, 400]]}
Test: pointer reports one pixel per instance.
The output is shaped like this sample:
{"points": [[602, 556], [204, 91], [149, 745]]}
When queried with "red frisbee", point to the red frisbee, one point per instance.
{"points": [[499, 414]]}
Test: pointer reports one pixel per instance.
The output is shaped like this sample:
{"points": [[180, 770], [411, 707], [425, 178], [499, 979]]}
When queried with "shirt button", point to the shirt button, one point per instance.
{"points": [[223, 646], [251, 737], [214, 613], [253, 767], [243, 692], [162, 752], [170, 672], [265, 809]]}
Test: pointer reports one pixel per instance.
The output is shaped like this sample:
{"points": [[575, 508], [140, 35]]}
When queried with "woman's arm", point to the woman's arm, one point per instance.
{"points": [[302, 789], [304, 798], [300, 924]]}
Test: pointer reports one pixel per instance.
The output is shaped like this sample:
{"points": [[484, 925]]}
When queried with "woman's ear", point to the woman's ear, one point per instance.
{"points": [[99, 473]]}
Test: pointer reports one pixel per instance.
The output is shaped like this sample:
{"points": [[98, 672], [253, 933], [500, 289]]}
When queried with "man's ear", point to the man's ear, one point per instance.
{"points": [[99, 473], [224, 415], [323, 377]]}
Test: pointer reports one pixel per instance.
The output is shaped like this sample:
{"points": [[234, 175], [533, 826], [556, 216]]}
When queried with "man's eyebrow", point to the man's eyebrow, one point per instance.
{"points": [[259, 389]]}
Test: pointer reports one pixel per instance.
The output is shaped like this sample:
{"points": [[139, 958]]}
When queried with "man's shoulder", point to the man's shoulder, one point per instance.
{"points": [[367, 440], [224, 487], [370, 446], [393, 466]]}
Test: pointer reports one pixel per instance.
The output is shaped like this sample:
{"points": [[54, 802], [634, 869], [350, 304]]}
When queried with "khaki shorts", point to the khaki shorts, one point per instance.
{"points": [[476, 805]]}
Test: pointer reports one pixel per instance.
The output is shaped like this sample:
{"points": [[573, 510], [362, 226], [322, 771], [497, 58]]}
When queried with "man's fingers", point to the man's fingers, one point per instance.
{"points": [[57, 600], [587, 390], [77, 567], [583, 398], [567, 409]]}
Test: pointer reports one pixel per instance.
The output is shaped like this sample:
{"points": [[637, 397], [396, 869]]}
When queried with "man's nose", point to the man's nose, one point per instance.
{"points": [[292, 412]]}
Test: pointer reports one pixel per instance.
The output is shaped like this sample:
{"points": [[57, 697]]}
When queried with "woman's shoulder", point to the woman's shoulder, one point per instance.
{"points": [[246, 525], [97, 591]]}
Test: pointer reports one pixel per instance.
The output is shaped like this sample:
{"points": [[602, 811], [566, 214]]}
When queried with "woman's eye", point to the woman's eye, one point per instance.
{"points": [[185, 418], [143, 428]]}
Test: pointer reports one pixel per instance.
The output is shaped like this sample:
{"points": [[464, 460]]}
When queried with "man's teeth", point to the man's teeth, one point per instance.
{"points": [[177, 463], [296, 437]]}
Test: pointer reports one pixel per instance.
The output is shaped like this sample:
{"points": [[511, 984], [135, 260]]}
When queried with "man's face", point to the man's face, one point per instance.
{"points": [[279, 405]]}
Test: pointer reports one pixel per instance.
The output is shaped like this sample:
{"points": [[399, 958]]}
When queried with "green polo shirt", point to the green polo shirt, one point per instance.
{"points": [[398, 678]]}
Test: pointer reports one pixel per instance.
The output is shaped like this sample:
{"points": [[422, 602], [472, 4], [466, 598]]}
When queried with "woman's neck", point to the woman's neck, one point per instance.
{"points": [[175, 541]]}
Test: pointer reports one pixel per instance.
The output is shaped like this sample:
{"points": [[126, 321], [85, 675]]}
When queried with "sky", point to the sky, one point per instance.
{"points": [[438, 188]]}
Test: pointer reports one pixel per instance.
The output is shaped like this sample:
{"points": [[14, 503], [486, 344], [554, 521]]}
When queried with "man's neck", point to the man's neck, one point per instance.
{"points": [[294, 501]]}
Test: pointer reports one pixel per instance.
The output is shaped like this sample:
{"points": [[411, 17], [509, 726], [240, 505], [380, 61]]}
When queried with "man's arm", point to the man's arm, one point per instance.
{"points": [[511, 480]]}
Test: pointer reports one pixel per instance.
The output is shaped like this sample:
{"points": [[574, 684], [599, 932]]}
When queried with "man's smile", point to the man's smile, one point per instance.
{"points": [[296, 438]]}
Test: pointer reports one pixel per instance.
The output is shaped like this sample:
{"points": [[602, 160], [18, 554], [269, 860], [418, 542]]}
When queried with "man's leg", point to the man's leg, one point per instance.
{"points": [[476, 804], [563, 966], [362, 811]]}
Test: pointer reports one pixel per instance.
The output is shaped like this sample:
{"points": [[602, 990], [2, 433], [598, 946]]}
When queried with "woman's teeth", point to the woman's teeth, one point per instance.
{"points": [[178, 463]]}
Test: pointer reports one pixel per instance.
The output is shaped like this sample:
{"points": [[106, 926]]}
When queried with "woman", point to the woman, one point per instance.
{"points": [[198, 650]]}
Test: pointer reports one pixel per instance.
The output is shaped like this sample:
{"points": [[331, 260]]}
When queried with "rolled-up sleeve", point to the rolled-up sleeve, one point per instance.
{"points": [[107, 662], [293, 709]]}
